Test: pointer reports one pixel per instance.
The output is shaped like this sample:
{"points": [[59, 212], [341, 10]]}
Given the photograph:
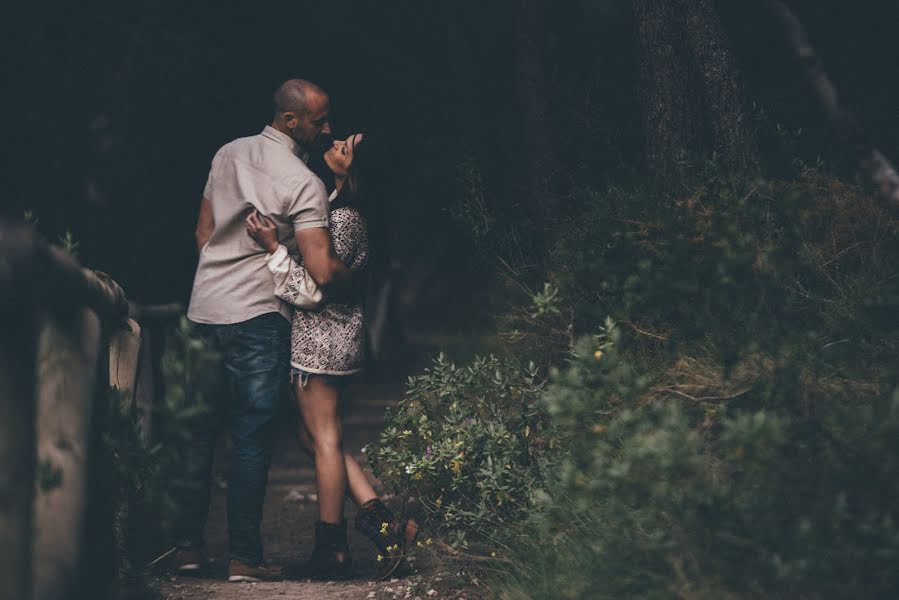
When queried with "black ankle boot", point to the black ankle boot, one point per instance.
{"points": [[331, 557], [391, 535]]}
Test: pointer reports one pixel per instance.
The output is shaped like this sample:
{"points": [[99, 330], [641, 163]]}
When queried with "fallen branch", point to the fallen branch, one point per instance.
{"points": [[677, 392], [657, 336], [871, 162]]}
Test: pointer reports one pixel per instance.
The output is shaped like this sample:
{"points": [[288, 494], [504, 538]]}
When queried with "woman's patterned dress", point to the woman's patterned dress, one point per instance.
{"points": [[328, 339]]}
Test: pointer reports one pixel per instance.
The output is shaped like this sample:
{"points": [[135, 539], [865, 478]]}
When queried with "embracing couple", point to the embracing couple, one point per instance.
{"points": [[277, 295]]}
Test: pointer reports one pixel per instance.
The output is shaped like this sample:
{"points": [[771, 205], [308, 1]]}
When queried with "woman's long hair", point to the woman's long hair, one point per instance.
{"points": [[356, 188]]}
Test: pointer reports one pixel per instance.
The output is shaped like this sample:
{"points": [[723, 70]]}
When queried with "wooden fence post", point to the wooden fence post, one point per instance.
{"points": [[17, 453], [124, 356], [17, 410], [68, 349], [145, 393], [51, 373]]}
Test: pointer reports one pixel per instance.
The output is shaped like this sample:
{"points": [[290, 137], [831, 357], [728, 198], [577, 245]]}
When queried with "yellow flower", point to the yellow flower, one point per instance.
{"points": [[493, 554], [380, 558], [384, 527], [438, 502], [597, 355], [598, 428], [428, 541], [456, 466], [419, 544]]}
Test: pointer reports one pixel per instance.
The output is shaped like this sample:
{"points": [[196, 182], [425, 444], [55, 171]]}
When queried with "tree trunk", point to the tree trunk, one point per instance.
{"points": [[872, 164], [671, 120], [690, 86], [731, 137], [540, 145]]}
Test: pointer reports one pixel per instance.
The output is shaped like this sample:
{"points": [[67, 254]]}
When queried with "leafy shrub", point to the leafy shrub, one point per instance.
{"points": [[141, 474], [650, 503], [468, 442], [744, 443], [739, 265]]}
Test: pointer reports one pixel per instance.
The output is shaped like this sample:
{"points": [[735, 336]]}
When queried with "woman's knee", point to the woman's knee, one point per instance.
{"points": [[327, 439]]}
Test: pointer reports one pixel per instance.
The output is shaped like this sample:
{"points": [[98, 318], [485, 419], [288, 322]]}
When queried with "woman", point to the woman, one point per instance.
{"points": [[327, 346]]}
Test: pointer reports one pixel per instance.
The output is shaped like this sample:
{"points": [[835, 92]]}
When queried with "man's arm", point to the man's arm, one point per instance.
{"points": [[321, 262], [205, 224]]}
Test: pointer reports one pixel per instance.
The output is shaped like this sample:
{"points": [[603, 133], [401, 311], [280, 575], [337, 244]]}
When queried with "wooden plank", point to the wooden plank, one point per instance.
{"points": [[145, 394], [68, 349], [124, 353], [17, 452], [17, 409]]}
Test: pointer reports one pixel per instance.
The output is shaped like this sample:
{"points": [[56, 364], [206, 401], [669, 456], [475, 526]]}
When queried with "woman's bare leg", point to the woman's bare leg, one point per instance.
{"points": [[318, 406], [360, 488]]}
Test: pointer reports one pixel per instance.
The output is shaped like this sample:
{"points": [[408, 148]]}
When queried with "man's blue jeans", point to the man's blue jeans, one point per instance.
{"points": [[242, 391]]}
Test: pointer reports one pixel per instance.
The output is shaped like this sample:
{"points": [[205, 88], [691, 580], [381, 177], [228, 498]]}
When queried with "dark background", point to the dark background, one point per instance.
{"points": [[116, 109]]}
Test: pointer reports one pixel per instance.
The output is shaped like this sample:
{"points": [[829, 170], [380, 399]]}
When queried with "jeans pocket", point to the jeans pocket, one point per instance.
{"points": [[257, 360], [258, 344]]}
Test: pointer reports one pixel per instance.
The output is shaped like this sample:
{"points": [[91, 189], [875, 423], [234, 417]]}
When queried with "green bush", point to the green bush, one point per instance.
{"points": [[468, 442], [741, 265], [742, 443], [141, 473], [651, 502]]}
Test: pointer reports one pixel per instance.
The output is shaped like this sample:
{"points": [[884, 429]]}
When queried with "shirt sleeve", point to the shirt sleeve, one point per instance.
{"points": [[292, 282], [308, 204], [208, 191]]}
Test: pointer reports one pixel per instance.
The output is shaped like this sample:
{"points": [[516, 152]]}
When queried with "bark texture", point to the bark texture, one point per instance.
{"points": [[722, 93], [690, 85], [671, 119], [532, 83], [69, 349]]}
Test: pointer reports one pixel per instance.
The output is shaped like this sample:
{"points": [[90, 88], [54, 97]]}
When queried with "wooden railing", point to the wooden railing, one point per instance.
{"points": [[67, 334]]}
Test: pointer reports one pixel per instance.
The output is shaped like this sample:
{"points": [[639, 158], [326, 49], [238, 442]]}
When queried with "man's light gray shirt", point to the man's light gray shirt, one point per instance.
{"points": [[262, 172]]}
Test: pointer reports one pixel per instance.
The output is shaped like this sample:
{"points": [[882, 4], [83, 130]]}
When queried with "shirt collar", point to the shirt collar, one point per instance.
{"points": [[282, 138]]}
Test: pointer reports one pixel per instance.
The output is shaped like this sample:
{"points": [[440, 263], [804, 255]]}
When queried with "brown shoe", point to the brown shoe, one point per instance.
{"points": [[188, 561], [240, 571]]}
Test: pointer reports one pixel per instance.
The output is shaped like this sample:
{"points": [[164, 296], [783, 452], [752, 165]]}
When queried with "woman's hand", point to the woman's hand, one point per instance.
{"points": [[263, 230]]}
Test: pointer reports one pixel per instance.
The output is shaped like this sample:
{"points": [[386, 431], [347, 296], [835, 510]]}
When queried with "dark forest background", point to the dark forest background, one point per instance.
{"points": [[117, 108], [685, 294]]}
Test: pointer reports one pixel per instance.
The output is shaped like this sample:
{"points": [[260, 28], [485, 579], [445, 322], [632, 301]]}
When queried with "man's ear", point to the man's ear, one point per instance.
{"points": [[290, 119]]}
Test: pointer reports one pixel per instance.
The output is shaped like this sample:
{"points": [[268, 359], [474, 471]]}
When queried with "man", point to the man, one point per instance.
{"points": [[234, 308]]}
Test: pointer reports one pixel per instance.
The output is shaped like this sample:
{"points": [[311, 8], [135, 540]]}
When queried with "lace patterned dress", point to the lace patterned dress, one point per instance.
{"points": [[327, 337]]}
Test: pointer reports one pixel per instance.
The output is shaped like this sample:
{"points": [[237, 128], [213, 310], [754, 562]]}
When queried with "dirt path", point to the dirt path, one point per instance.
{"points": [[289, 514]]}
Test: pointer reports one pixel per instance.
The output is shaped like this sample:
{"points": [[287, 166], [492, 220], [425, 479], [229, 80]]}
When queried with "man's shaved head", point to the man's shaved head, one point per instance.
{"points": [[294, 95], [301, 111]]}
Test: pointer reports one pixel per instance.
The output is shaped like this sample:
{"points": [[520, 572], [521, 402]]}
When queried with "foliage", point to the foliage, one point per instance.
{"points": [[649, 503], [740, 265], [143, 454], [741, 442], [468, 442]]}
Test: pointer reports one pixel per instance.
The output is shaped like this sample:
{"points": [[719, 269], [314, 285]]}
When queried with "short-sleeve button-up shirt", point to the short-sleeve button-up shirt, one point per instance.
{"points": [[263, 172]]}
